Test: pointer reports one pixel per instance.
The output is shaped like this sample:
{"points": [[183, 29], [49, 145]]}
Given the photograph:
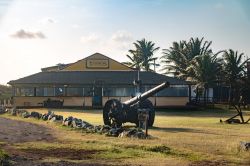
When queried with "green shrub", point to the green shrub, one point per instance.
{"points": [[3, 157]]}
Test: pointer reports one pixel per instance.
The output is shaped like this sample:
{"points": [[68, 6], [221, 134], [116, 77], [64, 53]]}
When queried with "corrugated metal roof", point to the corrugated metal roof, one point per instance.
{"points": [[90, 77]]}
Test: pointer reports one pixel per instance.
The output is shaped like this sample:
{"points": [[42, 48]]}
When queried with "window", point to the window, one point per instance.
{"points": [[119, 91], [75, 91], [88, 91], [176, 90], [39, 91], [18, 92], [26, 91], [49, 92]]}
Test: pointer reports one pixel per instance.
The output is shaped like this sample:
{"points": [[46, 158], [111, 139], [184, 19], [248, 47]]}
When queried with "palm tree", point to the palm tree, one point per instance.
{"points": [[135, 60], [145, 50], [177, 59], [197, 47], [204, 71], [234, 67]]}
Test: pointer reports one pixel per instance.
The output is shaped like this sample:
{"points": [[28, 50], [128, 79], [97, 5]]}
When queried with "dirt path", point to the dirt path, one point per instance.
{"points": [[13, 131]]}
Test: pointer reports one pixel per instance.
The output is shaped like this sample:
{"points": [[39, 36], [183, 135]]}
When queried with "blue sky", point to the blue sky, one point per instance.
{"points": [[40, 33]]}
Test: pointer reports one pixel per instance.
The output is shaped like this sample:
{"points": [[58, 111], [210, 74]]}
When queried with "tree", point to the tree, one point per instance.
{"points": [[177, 58], [135, 60], [142, 56], [204, 71], [234, 67]]}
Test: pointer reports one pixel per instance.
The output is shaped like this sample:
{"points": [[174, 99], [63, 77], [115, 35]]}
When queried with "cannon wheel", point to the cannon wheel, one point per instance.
{"points": [[106, 109], [148, 104]]}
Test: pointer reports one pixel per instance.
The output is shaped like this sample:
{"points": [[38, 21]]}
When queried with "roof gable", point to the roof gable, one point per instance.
{"points": [[97, 62]]}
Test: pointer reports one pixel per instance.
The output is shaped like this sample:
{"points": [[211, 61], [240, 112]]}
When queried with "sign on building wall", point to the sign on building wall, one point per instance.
{"points": [[97, 63]]}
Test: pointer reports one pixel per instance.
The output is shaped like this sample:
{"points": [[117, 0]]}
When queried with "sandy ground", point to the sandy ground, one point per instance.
{"points": [[13, 131]]}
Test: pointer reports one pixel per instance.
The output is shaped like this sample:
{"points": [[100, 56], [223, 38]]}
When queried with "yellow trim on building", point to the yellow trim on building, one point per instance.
{"points": [[97, 62]]}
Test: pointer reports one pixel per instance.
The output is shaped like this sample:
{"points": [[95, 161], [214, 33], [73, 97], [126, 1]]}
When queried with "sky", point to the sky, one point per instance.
{"points": [[41, 33]]}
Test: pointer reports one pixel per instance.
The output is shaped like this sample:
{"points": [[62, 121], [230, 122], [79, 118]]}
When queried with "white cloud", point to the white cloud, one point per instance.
{"points": [[121, 39], [122, 36], [91, 38], [23, 34]]}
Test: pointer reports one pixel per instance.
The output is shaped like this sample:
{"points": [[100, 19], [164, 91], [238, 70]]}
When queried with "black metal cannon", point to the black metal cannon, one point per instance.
{"points": [[115, 113]]}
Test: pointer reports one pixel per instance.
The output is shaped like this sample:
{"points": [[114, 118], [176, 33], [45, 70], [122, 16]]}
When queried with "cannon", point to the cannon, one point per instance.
{"points": [[115, 112]]}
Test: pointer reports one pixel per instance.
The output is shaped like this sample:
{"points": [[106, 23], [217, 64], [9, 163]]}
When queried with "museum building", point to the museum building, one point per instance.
{"points": [[91, 81]]}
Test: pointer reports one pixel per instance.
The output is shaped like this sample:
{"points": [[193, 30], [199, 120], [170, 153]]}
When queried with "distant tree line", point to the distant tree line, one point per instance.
{"points": [[5, 92], [195, 61]]}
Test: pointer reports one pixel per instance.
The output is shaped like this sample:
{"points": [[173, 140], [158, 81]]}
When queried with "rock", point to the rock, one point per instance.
{"points": [[97, 129], [105, 129], [59, 117], [50, 116], [53, 119], [19, 112], [114, 132], [245, 146], [67, 121], [76, 123], [35, 115], [45, 116], [25, 114], [139, 135], [133, 133], [86, 125], [13, 111]]}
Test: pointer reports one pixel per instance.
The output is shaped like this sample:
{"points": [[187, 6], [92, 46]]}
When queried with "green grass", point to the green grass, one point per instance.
{"points": [[180, 137], [3, 156]]}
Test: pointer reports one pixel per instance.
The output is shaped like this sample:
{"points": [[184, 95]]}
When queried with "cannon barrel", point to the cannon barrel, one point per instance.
{"points": [[146, 94]]}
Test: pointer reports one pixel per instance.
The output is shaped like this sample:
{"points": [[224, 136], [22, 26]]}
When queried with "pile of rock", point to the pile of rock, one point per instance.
{"points": [[51, 116], [18, 112], [245, 146], [77, 123]]}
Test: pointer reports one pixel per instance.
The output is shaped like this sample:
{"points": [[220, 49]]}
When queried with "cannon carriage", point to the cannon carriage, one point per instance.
{"points": [[115, 112]]}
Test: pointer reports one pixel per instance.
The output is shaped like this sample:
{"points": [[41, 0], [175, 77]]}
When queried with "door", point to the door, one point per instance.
{"points": [[97, 97]]}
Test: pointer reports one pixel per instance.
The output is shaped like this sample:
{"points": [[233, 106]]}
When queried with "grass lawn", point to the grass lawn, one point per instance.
{"points": [[180, 137]]}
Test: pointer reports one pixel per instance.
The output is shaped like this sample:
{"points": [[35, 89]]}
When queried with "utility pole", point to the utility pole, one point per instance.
{"points": [[154, 64]]}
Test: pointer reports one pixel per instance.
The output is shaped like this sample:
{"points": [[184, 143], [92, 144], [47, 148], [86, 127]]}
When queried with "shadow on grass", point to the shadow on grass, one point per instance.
{"points": [[175, 129], [178, 129], [216, 113]]}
